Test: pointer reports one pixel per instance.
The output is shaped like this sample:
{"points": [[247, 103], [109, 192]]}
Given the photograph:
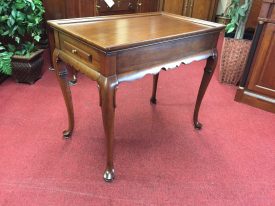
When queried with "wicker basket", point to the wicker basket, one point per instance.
{"points": [[234, 56], [27, 69]]}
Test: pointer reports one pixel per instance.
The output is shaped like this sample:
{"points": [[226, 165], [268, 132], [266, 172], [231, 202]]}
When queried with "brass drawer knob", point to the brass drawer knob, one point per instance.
{"points": [[74, 51]]}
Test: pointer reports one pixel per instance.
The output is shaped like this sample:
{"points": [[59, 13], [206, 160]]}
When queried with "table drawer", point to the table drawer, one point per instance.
{"points": [[80, 50]]}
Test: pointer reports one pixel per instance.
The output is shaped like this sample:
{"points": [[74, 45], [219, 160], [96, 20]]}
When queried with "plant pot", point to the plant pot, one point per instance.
{"points": [[27, 69], [3, 77], [222, 19], [233, 60]]}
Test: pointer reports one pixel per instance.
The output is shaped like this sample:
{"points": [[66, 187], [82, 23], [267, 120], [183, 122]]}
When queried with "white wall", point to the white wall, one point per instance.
{"points": [[222, 5]]}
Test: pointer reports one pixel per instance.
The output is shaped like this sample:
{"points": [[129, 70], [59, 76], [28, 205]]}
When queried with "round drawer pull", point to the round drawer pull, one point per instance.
{"points": [[74, 51]]}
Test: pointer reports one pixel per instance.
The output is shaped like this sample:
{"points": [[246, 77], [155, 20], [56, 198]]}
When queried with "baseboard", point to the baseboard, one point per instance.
{"points": [[256, 100]]}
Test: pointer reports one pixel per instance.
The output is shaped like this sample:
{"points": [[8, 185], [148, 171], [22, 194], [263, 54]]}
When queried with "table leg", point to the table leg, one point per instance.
{"points": [[61, 74], [153, 99], [208, 73], [107, 90]]}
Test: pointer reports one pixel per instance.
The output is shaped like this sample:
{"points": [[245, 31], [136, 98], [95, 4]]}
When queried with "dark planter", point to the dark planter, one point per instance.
{"points": [[3, 77], [27, 69]]}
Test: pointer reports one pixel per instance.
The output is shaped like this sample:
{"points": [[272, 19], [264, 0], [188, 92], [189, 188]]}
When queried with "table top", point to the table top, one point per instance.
{"points": [[110, 33]]}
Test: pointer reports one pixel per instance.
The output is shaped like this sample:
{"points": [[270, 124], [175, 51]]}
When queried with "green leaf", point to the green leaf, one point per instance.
{"points": [[11, 48], [10, 21], [20, 5], [3, 18], [37, 20], [20, 16], [245, 6], [30, 24], [17, 39], [5, 33], [5, 62], [37, 38], [14, 29], [14, 13], [230, 29], [21, 31], [32, 4], [241, 12]]}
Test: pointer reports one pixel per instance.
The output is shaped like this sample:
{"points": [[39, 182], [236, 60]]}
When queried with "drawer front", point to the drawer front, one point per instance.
{"points": [[120, 5], [81, 51]]}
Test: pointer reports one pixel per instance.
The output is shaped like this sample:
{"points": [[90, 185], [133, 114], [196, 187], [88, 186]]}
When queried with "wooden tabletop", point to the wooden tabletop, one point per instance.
{"points": [[116, 32]]}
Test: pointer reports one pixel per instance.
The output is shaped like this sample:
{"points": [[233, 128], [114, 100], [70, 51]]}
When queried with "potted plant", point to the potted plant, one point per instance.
{"points": [[225, 17], [21, 29], [235, 50]]}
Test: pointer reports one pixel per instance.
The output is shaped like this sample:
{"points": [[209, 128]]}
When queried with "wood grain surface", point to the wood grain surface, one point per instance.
{"points": [[124, 31]]}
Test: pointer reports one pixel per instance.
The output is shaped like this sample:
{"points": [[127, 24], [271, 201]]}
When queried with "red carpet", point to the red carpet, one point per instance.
{"points": [[160, 159]]}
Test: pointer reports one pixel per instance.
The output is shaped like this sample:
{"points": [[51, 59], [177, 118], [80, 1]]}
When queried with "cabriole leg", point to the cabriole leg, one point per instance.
{"points": [[107, 90], [208, 73], [153, 99], [61, 74]]}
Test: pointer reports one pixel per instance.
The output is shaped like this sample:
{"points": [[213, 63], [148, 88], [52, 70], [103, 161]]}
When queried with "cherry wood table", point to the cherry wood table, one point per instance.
{"points": [[116, 49]]}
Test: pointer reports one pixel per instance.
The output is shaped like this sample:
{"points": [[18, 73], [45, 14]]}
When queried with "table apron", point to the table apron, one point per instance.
{"points": [[154, 55], [134, 75]]}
